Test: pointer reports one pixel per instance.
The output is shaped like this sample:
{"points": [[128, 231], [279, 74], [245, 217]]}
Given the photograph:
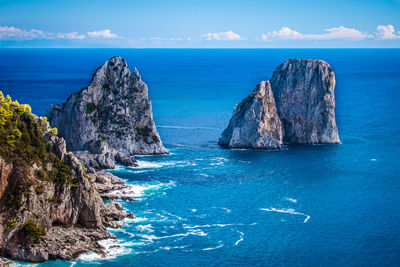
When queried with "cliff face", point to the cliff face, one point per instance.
{"points": [[255, 122], [49, 206], [114, 109], [305, 100], [297, 106]]}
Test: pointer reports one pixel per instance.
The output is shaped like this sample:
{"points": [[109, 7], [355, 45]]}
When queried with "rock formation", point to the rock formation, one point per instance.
{"points": [[297, 106], [113, 115], [49, 206], [255, 122], [305, 100]]}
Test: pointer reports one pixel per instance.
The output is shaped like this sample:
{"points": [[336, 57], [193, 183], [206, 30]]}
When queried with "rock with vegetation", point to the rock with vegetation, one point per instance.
{"points": [[297, 106], [255, 122], [49, 206], [112, 117]]}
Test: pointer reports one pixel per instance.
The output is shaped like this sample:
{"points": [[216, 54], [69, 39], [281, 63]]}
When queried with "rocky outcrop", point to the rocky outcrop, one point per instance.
{"points": [[305, 100], [255, 122], [49, 207], [297, 106], [112, 117]]}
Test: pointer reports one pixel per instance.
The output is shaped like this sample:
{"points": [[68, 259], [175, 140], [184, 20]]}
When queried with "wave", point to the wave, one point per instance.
{"points": [[289, 211], [112, 247], [139, 190], [240, 239], [217, 247], [293, 200], [210, 225]]}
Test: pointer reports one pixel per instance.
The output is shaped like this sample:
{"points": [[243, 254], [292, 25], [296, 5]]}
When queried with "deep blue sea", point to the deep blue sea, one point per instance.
{"points": [[306, 205]]}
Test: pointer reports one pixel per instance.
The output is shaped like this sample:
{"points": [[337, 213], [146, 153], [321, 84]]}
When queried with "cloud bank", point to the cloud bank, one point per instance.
{"points": [[13, 33], [336, 33], [222, 36], [340, 32]]}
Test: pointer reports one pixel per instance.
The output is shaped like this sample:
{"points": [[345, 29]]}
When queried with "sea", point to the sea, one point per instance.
{"points": [[202, 205]]}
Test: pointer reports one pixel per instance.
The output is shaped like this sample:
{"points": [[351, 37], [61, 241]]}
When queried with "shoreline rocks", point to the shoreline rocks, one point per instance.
{"points": [[297, 106], [49, 206]]}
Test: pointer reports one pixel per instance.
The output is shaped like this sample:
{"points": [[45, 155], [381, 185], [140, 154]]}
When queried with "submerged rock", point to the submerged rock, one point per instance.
{"points": [[305, 100], [114, 110], [297, 106], [255, 122]]}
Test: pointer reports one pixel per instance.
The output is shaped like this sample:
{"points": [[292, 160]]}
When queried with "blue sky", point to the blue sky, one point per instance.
{"points": [[198, 24]]}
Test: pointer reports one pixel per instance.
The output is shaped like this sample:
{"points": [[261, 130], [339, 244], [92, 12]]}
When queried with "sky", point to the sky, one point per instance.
{"points": [[200, 23]]}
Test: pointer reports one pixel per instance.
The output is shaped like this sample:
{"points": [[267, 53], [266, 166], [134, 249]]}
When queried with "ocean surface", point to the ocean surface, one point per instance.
{"points": [[306, 205]]}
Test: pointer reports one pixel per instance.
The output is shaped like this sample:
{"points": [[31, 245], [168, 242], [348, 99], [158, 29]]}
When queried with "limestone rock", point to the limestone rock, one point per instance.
{"points": [[305, 100], [114, 108], [255, 122], [297, 106]]}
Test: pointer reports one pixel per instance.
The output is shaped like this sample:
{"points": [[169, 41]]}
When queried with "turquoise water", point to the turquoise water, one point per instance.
{"points": [[202, 205]]}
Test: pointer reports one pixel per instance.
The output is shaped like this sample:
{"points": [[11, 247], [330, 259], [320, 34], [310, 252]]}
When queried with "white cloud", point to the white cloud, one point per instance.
{"points": [[387, 32], [12, 33], [340, 32], [105, 34], [223, 36], [70, 35]]}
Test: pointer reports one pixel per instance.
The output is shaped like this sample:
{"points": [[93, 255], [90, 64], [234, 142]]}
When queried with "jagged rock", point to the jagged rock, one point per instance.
{"points": [[114, 108], [49, 207], [96, 161], [305, 100], [109, 197], [128, 198], [255, 122], [106, 182], [297, 106]]}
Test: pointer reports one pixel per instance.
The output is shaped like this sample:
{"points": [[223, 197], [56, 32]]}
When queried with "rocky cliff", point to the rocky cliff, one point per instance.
{"points": [[112, 115], [297, 106], [255, 122], [305, 100], [49, 206]]}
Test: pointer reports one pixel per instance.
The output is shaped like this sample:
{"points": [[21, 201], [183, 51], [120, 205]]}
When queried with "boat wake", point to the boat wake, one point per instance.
{"points": [[289, 211]]}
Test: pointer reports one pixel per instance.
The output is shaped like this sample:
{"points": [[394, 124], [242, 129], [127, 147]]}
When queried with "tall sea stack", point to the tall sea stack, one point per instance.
{"points": [[302, 111], [113, 114]]}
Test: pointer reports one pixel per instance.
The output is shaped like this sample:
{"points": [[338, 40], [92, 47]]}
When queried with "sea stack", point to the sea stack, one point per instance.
{"points": [[112, 116], [305, 100], [255, 122], [300, 109]]}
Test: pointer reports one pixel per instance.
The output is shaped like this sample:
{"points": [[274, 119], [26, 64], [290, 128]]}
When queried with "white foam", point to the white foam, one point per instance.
{"points": [[145, 228], [112, 248], [217, 247], [291, 199], [139, 190], [289, 211], [208, 225], [240, 239], [151, 238], [148, 164], [222, 208], [373, 159]]}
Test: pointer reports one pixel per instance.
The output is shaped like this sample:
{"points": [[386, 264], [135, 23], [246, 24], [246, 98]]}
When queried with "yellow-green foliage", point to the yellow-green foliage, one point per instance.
{"points": [[53, 131], [32, 231], [22, 140]]}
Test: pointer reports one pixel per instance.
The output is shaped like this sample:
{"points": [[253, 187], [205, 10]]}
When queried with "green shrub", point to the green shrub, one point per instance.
{"points": [[32, 231]]}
